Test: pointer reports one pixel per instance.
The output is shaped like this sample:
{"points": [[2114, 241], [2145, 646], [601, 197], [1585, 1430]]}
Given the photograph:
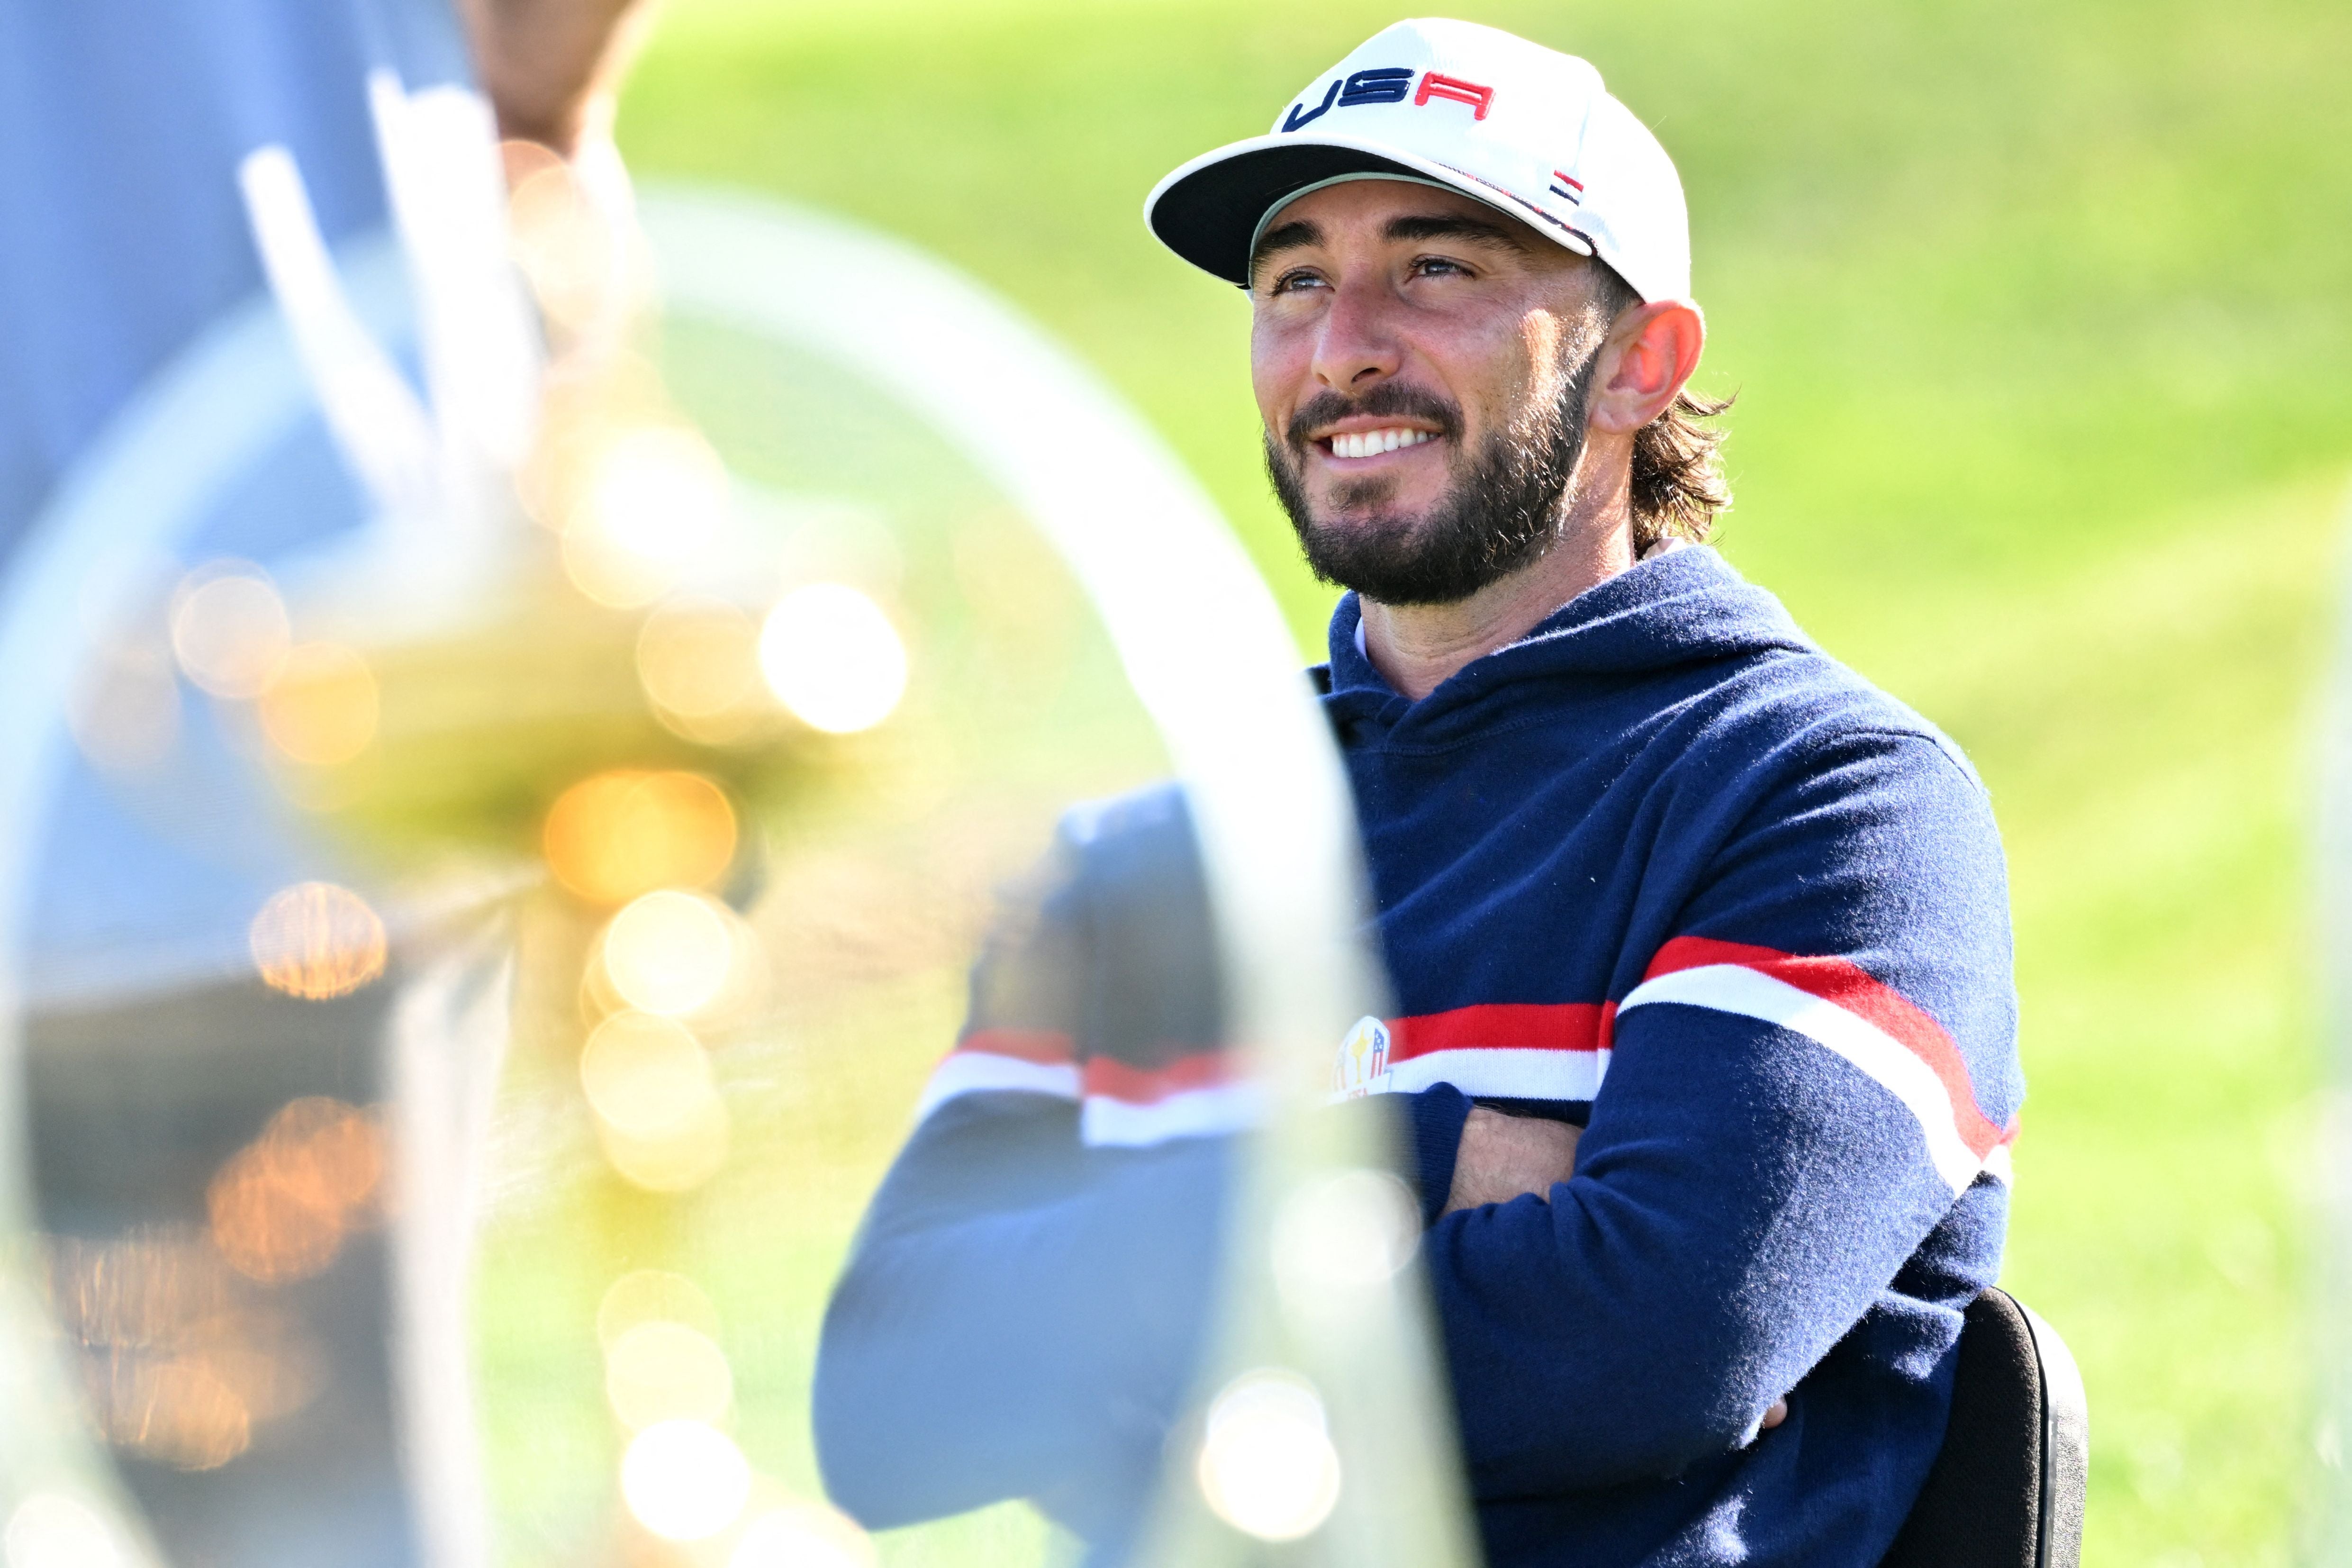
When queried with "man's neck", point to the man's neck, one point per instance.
{"points": [[1416, 647]]}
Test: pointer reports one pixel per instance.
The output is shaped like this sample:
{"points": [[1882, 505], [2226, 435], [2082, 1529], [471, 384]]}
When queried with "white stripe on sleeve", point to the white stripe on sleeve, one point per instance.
{"points": [[1207, 1112], [970, 1072], [1733, 988], [1489, 1073]]}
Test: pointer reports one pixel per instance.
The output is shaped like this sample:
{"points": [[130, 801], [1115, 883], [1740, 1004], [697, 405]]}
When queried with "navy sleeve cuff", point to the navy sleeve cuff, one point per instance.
{"points": [[1436, 1116]]}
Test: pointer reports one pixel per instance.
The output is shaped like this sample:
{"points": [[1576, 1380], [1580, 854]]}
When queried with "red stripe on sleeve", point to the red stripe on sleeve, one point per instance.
{"points": [[1845, 984], [1119, 1081], [1505, 1026], [1049, 1048]]}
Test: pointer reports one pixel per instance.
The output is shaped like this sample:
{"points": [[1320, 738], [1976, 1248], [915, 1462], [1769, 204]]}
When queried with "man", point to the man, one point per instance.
{"points": [[1706, 1024]]}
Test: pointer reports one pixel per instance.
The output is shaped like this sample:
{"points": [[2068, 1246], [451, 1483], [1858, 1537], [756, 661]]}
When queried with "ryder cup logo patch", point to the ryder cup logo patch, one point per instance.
{"points": [[1364, 1059]]}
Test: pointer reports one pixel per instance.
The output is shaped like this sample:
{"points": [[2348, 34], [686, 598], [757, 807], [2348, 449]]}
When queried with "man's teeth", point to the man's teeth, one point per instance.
{"points": [[1371, 443]]}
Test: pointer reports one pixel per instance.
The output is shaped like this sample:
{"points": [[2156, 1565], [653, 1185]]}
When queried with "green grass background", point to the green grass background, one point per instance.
{"points": [[2040, 315]]}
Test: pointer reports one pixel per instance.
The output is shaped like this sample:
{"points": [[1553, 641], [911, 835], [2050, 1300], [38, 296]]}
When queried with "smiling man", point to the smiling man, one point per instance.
{"points": [[1705, 1027], [1425, 367]]}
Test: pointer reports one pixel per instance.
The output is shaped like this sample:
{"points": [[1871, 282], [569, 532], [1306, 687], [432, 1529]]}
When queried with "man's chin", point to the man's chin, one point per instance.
{"points": [[1381, 558], [1357, 533], [1405, 560], [1371, 508], [1376, 536]]}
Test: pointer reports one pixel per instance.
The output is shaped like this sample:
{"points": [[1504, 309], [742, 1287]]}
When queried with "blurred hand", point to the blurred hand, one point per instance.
{"points": [[546, 64], [1777, 1414], [1503, 1157]]}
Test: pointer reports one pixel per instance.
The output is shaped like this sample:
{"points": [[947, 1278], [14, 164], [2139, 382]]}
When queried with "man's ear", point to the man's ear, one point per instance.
{"points": [[1650, 354]]}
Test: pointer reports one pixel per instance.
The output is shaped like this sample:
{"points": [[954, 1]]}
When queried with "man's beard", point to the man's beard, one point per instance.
{"points": [[1501, 511]]}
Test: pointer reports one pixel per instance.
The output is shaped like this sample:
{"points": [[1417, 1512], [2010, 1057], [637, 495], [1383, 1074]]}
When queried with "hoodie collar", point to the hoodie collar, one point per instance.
{"points": [[1682, 606]]}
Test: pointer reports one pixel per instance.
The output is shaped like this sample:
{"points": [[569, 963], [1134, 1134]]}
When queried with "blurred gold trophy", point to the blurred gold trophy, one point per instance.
{"points": [[652, 759]]}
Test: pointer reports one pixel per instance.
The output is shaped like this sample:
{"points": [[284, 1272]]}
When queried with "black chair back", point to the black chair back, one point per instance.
{"points": [[2008, 1485]]}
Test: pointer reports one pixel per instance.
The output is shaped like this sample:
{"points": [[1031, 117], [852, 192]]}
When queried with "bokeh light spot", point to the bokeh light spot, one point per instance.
{"points": [[1337, 1235], [655, 504], [699, 659], [179, 1361], [144, 1287], [51, 1530], [652, 1295], [668, 952], [328, 1148], [317, 940], [832, 658], [664, 1371], [282, 1206], [124, 709], [803, 1535], [571, 256], [680, 1159], [322, 708], [187, 1417], [683, 1480], [614, 836], [645, 1076], [269, 1229], [229, 630], [1268, 1467]]}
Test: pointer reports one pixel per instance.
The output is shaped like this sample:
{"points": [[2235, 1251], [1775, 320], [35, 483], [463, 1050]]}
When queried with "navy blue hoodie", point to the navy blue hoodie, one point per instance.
{"points": [[1662, 869]]}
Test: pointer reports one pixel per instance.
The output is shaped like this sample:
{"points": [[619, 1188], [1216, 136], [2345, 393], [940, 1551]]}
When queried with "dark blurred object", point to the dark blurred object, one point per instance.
{"points": [[2008, 1487], [210, 1192]]}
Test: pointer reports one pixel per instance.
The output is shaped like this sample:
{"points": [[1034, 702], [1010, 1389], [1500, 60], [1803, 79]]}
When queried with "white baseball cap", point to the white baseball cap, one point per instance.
{"points": [[1526, 130]]}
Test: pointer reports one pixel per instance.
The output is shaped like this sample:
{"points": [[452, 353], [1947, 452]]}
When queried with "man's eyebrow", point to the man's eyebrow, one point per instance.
{"points": [[1291, 235], [1300, 233], [1458, 225]]}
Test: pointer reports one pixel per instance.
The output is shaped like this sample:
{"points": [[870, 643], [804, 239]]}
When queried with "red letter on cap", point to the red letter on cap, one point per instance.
{"points": [[1470, 92]]}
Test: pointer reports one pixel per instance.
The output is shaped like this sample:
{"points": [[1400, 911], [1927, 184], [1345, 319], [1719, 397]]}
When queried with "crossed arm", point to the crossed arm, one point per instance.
{"points": [[1503, 1157]]}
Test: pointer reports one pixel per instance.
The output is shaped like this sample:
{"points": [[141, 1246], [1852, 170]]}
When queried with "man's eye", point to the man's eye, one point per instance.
{"points": [[1295, 282], [1438, 266]]}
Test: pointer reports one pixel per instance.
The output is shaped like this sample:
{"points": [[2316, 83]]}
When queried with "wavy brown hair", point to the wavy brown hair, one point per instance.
{"points": [[1678, 485]]}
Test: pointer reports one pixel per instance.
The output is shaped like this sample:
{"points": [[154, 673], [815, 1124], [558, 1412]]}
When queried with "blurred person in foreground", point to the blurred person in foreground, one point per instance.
{"points": [[121, 125], [1706, 1027], [153, 1054]]}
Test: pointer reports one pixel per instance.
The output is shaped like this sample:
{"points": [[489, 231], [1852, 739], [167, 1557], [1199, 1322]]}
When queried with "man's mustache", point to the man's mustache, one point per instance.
{"points": [[1388, 400]]}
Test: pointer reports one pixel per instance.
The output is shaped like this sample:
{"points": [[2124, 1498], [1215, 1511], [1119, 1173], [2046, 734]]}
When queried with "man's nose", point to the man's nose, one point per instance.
{"points": [[1358, 348]]}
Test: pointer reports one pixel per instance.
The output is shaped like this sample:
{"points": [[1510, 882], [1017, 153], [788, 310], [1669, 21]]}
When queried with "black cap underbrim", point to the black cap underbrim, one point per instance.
{"points": [[1210, 215]]}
